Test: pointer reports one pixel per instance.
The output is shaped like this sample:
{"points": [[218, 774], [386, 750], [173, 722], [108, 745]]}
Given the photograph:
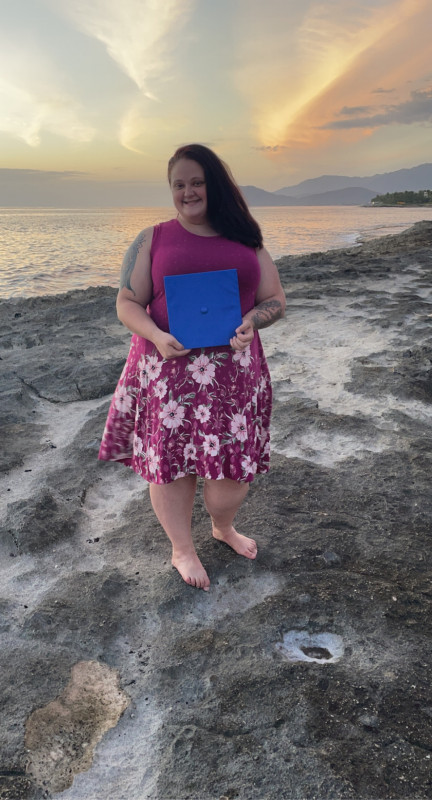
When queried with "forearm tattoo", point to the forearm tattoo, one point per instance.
{"points": [[129, 261], [266, 313]]}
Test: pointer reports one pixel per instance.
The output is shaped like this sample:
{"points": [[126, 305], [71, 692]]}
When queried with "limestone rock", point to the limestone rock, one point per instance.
{"points": [[342, 523]]}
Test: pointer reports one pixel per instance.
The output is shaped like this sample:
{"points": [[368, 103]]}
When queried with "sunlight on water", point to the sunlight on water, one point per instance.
{"points": [[46, 251]]}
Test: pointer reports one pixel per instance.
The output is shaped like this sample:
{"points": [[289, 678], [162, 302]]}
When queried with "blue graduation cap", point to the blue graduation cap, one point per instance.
{"points": [[203, 307]]}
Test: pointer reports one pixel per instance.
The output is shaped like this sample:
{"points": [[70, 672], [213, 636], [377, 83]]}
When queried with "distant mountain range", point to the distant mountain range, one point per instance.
{"points": [[341, 190]]}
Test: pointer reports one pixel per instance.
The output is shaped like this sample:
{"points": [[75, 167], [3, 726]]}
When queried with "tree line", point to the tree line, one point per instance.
{"points": [[422, 198]]}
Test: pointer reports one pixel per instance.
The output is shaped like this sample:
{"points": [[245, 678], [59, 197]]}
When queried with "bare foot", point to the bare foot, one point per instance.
{"points": [[241, 544], [192, 571]]}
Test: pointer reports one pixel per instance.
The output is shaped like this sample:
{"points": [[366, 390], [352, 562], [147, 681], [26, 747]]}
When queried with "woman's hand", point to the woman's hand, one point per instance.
{"points": [[168, 346], [244, 335]]}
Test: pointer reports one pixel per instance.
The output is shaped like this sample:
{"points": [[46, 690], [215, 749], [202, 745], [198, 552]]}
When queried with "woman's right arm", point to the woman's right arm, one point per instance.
{"points": [[135, 294]]}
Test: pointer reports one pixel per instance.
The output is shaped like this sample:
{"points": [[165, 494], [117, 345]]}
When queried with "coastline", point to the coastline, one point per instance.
{"points": [[342, 522], [75, 251]]}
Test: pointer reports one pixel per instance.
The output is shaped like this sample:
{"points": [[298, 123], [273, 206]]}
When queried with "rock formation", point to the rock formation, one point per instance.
{"points": [[214, 703]]}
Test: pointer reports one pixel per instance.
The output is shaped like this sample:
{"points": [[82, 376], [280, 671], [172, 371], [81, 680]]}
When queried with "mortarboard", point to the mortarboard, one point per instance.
{"points": [[203, 307]]}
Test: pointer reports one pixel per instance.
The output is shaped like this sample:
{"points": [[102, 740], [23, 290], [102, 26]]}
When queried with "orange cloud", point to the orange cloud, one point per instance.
{"points": [[340, 59]]}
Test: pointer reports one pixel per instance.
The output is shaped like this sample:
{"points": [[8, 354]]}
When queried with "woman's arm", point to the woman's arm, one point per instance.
{"points": [[135, 294], [270, 303]]}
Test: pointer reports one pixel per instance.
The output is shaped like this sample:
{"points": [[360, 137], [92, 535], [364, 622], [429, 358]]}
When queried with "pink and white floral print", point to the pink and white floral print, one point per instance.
{"points": [[189, 451], [160, 389], [138, 445], [172, 414], [211, 444], [142, 372], [249, 466], [238, 426], [202, 413], [152, 460], [244, 356], [154, 366], [203, 371], [122, 400], [206, 413]]}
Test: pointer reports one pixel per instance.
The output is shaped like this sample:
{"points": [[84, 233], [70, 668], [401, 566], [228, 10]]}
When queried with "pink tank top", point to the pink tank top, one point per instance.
{"points": [[176, 251]]}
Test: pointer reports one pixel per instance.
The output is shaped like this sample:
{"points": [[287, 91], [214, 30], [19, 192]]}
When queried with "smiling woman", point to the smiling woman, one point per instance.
{"points": [[189, 192], [180, 413]]}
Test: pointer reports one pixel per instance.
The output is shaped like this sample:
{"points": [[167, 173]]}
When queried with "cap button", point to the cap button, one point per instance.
{"points": [[204, 309]]}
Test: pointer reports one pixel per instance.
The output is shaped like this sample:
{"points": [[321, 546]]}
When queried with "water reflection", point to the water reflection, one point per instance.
{"points": [[46, 251]]}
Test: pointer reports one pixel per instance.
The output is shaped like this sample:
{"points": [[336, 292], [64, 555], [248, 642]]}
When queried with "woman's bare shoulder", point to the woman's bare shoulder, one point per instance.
{"points": [[143, 240], [137, 262]]}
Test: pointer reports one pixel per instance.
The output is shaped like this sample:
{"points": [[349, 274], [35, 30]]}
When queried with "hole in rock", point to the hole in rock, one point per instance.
{"points": [[317, 652], [321, 648]]}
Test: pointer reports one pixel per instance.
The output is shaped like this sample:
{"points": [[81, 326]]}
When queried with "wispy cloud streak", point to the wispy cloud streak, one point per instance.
{"points": [[136, 33], [34, 98], [417, 109], [141, 37], [331, 38], [330, 46]]}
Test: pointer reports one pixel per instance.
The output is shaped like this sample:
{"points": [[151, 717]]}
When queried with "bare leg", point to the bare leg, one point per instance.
{"points": [[172, 504], [223, 499]]}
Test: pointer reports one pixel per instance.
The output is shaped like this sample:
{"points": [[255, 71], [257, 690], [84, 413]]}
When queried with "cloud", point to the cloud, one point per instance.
{"points": [[145, 126], [350, 110], [73, 189], [34, 96], [271, 148], [379, 90], [417, 109], [141, 37], [136, 33], [325, 60], [45, 175], [328, 39]]}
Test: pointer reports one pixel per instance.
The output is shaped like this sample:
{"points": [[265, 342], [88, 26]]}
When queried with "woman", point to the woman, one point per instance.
{"points": [[178, 413]]}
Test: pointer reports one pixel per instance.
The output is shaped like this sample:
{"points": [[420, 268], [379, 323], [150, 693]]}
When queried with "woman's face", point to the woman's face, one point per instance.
{"points": [[189, 190]]}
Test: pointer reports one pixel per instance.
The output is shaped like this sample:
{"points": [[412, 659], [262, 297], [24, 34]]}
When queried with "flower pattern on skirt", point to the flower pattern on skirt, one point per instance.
{"points": [[206, 413]]}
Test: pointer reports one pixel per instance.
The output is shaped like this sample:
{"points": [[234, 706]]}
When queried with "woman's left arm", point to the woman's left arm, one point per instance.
{"points": [[270, 303]]}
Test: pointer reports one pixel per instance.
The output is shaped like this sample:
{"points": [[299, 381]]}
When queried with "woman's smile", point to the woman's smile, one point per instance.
{"points": [[189, 191]]}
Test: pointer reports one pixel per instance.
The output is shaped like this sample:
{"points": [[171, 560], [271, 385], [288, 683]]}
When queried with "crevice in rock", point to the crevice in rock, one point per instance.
{"points": [[38, 394]]}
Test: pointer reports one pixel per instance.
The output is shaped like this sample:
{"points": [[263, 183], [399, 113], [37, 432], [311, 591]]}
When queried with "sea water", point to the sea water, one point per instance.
{"points": [[51, 250]]}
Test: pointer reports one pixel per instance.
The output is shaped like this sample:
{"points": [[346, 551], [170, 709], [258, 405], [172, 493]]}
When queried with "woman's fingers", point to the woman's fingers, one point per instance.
{"points": [[170, 347], [244, 335]]}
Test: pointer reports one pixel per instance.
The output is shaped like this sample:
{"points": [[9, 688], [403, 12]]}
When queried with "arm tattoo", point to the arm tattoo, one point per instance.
{"points": [[266, 313], [129, 261]]}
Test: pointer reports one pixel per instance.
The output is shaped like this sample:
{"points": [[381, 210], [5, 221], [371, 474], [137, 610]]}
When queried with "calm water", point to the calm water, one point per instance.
{"points": [[46, 251]]}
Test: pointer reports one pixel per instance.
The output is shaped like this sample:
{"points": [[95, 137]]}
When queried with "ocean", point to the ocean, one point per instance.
{"points": [[51, 250]]}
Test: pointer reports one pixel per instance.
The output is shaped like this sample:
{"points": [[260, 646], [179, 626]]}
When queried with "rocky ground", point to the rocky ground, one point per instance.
{"points": [[305, 674]]}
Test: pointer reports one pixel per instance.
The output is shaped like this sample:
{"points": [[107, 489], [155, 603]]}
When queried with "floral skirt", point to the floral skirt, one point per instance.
{"points": [[206, 413]]}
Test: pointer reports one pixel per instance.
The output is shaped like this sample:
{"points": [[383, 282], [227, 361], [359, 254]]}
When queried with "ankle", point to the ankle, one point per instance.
{"points": [[183, 552], [220, 531]]}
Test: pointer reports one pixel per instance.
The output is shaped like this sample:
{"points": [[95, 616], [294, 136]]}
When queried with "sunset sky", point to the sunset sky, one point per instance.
{"points": [[95, 95]]}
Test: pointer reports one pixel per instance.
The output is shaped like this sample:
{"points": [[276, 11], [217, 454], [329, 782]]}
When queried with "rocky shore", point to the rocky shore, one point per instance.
{"points": [[305, 674]]}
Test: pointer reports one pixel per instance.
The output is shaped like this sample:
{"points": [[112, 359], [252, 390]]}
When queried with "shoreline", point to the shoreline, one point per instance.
{"points": [[342, 522], [412, 238], [32, 271]]}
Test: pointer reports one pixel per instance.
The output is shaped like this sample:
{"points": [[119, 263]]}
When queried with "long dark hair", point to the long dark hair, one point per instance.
{"points": [[227, 209]]}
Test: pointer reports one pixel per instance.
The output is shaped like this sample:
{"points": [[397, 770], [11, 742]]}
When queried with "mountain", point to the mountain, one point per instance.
{"points": [[259, 197], [351, 196], [412, 179]]}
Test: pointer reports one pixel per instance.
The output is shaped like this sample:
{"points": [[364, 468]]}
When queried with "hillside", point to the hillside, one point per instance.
{"points": [[412, 179], [350, 196]]}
